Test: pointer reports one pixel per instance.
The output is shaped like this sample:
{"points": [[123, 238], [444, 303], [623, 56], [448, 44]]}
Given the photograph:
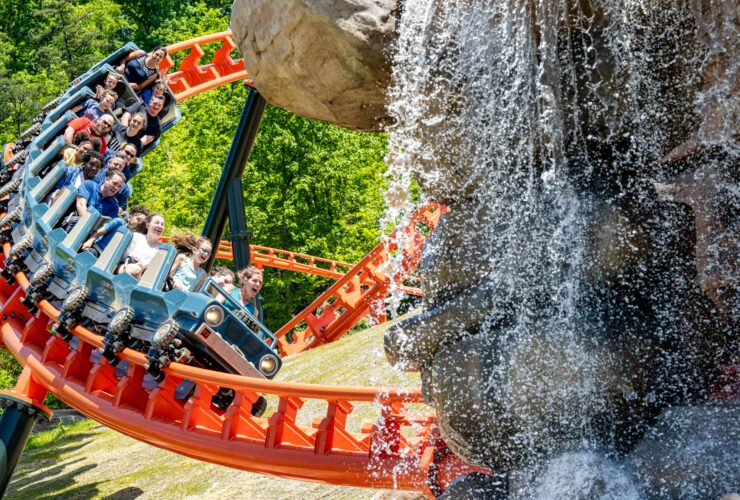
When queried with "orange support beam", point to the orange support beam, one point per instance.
{"points": [[193, 75], [354, 294]]}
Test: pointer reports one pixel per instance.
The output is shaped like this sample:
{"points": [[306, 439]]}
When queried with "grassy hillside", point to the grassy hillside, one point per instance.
{"points": [[86, 460]]}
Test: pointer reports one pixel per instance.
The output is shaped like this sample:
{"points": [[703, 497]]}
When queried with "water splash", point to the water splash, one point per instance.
{"points": [[542, 123]]}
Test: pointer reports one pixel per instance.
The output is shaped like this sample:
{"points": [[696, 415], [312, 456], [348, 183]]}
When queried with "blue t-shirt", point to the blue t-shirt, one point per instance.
{"points": [[137, 72], [107, 206], [253, 304], [90, 109], [110, 228], [69, 177], [122, 195], [186, 274]]}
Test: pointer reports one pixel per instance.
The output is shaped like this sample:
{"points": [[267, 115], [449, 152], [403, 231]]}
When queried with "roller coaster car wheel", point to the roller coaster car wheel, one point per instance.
{"points": [[11, 186], [11, 217], [51, 104], [259, 407], [183, 355], [223, 398], [75, 298], [156, 360], [31, 131], [21, 246], [11, 267], [165, 334], [121, 320], [41, 274], [157, 374], [32, 295], [18, 158], [112, 347]]}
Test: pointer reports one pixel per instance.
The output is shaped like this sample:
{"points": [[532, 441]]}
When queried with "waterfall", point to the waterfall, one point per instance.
{"points": [[545, 123]]}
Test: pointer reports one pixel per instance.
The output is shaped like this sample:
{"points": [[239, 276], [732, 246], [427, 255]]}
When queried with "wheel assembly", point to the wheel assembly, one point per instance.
{"points": [[75, 298], [21, 246], [121, 320], [41, 274], [165, 334]]}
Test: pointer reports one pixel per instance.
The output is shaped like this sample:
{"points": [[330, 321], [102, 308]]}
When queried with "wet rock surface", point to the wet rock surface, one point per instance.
{"points": [[323, 60], [585, 278], [476, 487], [691, 452]]}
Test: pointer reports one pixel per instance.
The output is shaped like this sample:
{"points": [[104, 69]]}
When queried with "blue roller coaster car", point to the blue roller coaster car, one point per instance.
{"points": [[208, 329]]}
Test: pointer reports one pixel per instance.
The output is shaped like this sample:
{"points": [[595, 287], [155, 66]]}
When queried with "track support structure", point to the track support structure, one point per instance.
{"points": [[23, 407], [228, 201]]}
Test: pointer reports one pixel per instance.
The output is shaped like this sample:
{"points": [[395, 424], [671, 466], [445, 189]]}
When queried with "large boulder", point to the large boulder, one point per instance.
{"points": [[691, 452], [322, 60]]}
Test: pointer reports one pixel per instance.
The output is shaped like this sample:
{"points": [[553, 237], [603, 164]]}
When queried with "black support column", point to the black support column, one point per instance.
{"points": [[228, 200]]}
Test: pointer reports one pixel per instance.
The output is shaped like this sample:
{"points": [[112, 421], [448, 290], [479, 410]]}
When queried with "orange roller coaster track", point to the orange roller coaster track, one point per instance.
{"points": [[192, 76], [400, 448]]}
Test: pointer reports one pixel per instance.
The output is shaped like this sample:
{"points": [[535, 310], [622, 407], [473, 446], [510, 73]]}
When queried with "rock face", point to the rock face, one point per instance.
{"points": [[323, 60], [585, 280], [691, 452]]}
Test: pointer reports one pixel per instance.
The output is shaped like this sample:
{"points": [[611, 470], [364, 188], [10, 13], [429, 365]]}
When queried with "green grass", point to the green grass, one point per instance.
{"points": [[86, 460], [58, 435]]}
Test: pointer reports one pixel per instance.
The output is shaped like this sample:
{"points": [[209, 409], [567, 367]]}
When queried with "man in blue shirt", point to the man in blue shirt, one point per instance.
{"points": [[102, 197], [92, 162], [117, 163]]}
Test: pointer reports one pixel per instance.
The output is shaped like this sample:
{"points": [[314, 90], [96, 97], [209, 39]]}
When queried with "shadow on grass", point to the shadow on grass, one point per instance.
{"points": [[57, 436], [50, 452], [50, 484], [34, 472], [125, 494]]}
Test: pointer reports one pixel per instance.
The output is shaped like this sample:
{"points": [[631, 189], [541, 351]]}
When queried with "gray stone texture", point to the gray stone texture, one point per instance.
{"points": [[326, 60], [691, 452]]}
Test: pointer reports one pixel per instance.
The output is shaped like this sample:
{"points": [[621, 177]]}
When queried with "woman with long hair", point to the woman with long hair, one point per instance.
{"points": [[193, 252], [144, 245], [250, 279]]}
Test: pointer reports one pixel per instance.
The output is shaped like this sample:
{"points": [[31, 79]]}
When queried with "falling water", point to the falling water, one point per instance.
{"points": [[535, 119]]}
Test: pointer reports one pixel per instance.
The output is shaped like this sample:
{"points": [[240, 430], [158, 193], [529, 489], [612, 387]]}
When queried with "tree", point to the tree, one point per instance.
{"points": [[18, 21], [74, 35], [21, 97]]}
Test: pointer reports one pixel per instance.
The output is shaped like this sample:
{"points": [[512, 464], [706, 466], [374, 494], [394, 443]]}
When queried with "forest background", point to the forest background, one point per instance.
{"points": [[309, 187]]}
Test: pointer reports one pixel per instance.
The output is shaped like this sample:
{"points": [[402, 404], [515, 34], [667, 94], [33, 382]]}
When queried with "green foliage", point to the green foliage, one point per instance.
{"points": [[18, 22], [75, 35], [21, 97], [46, 43], [156, 21], [9, 370]]}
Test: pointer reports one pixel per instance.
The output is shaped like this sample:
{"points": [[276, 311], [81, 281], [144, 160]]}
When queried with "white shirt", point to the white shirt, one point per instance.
{"points": [[140, 250]]}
